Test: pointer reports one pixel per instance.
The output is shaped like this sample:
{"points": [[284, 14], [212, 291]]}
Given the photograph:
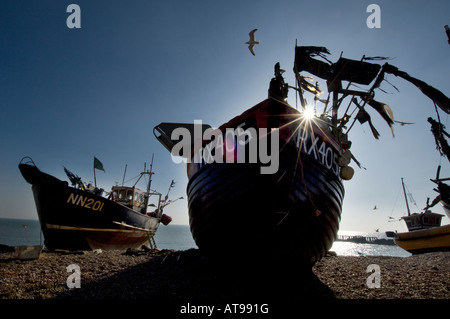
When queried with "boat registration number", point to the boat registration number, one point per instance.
{"points": [[85, 202], [313, 145]]}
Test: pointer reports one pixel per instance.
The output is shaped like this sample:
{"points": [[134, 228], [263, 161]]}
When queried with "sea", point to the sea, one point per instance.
{"points": [[17, 232]]}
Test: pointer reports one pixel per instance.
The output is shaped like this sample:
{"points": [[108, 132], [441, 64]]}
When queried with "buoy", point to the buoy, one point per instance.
{"points": [[165, 219], [347, 173]]}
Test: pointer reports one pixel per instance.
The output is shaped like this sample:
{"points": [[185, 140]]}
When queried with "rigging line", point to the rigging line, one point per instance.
{"points": [[354, 120], [411, 198], [296, 98], [345, 113], [326, 104], [396, 200], [132, 178]]}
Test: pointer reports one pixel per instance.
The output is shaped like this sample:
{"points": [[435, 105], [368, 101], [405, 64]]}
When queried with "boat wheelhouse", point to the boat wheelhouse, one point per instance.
{"points": [[131, 197], [425, 220]]}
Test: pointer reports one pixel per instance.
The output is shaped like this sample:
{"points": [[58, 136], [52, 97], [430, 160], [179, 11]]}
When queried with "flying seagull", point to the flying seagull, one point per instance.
{"points": [[252, 41], [403, 123]]}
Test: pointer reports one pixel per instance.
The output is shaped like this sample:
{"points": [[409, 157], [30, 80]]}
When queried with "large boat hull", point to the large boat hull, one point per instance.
{"points": [[293, 214], [74, 219], [425, 240]]}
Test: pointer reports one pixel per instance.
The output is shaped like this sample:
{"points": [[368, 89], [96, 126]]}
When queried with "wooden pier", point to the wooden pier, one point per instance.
{"points": [[365, 240]]}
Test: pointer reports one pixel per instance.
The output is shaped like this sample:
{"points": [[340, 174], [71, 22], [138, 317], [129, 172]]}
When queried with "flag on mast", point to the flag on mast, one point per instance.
{"points": [[97, 165]]}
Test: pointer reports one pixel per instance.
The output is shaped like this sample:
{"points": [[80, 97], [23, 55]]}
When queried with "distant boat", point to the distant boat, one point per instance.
{"points": [[390, 234], [80, 218], [425, 233]]}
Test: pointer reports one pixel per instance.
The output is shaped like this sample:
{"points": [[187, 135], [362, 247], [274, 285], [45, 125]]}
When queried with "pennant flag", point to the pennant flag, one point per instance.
{"points": [[72, 177], [364, 117], [385, 112], [98, 164], [434, 94]]}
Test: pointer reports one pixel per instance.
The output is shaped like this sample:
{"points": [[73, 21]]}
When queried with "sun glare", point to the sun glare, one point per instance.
{"points": [[308, 113]]}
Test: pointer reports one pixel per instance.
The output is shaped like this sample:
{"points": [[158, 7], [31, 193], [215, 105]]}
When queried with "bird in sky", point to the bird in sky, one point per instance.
{"points": [[252, 41], [375, 207], [403, 123]]}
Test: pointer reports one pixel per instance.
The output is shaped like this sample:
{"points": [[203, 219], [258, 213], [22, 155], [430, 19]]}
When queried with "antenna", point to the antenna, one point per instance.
{"points": [[123, 180]]}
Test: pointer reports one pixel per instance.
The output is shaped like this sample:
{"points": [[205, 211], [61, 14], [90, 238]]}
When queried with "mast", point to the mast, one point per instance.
{"points": [[406, 199], [150, 175], [123, 179], [147, 194]]}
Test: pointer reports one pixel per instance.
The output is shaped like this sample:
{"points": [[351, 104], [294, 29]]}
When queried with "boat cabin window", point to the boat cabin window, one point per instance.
{"points": [[129, 195], [122, 194]]}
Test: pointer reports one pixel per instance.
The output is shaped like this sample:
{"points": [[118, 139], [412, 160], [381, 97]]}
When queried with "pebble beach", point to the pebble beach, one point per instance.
{"points": [[188, 275]]}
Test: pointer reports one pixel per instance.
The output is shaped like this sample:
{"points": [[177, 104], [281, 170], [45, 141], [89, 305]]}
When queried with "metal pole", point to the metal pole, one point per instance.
{"points": [[406, 199]]}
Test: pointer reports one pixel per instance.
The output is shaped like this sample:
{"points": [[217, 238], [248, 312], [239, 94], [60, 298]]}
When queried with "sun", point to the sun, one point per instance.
{"points": [[308, 113]]}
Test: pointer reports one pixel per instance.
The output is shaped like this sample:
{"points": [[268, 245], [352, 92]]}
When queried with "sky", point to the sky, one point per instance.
{"points": [[69, 94]]}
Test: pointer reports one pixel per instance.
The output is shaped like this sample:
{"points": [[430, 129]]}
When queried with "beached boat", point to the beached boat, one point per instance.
{"points": [[268, 184], [235, 208], [425, 233], [425, 240], [235, 205], [78, 217]]}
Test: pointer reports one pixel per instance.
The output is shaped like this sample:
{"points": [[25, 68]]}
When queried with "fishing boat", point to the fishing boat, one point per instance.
{"points": [[79, 217], [268, 184], [425, 240], [425, 233]]}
